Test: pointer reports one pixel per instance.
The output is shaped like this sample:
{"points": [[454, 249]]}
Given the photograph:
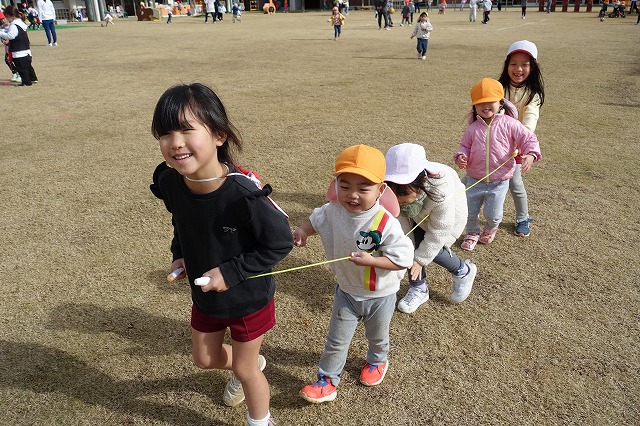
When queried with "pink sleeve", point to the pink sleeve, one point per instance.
{"points": [[465, 144]]}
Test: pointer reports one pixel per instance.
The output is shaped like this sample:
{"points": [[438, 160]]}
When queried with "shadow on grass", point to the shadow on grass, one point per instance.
{"points": [[42, 369], [53, 370], [151, 334]]}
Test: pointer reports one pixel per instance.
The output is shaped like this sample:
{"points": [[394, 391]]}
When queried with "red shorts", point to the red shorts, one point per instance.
{"points": [[242, 329]]}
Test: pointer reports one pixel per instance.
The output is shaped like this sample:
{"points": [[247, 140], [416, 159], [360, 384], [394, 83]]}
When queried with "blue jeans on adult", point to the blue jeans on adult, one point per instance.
{"points": [[492, 195], [423, 43], [206, 17], [381, 15], [50, 30], [346, 313], [548, 6]]}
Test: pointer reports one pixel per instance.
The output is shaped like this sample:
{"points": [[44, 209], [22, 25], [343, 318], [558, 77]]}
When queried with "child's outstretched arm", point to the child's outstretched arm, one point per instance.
{"points": [[528, 144], [362, 258], [270, 232], [302, 232], [461, 157]]}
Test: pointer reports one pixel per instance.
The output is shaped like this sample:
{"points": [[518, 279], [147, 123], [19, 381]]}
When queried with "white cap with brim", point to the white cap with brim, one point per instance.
{"points": [[406, 161], [524, 46]]}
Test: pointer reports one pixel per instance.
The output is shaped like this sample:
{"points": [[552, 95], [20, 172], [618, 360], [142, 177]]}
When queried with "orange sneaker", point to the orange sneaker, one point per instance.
{"points": [[372, 375], [320, 391]]}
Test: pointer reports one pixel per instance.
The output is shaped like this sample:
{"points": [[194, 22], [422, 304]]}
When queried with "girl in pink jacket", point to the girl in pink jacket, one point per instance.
{"points": [[487, 153]]}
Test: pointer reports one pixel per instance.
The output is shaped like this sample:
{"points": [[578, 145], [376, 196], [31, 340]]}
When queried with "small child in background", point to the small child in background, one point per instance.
{"points": [[412, 10], [108, 19], [433, 207], [487, 146], [358, 226], [226, 230], [523, 86], [443, 7], [422, 30], [337, 20], [32, 16], [236, 13], [486, 5], [169, 13], [406, 14]]}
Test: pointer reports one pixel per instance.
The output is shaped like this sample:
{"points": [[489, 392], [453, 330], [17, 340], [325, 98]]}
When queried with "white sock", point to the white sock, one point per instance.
{"points": [[261, 422]]}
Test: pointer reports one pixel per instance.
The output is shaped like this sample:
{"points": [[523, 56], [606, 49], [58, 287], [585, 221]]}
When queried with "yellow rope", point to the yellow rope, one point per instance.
{"points": [[297, 268]]}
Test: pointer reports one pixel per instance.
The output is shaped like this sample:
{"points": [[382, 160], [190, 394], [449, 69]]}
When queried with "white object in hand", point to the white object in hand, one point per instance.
{"points": [[174, 275], [202, 281]]}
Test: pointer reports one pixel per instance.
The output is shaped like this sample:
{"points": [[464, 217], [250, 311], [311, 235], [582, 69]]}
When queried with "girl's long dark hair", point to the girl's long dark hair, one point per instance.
{"points": [[424, 182], [534, 82], [205, 105]]}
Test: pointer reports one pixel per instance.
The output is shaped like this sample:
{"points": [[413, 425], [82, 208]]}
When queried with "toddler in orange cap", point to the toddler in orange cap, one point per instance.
{"points": [[486, 152], [356, 225]]}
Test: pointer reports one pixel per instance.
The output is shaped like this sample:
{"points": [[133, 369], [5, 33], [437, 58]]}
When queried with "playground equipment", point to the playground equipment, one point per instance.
{"points": [[269, 8]]}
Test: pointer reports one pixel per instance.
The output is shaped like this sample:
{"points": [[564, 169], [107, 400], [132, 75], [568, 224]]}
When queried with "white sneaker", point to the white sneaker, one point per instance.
{"points": [[16, 77], [55, 44], [233, 393], [50, 45], [412, 300], [424, 58], [461, 286]]}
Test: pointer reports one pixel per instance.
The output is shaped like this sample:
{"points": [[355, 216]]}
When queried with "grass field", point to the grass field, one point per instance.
{"points": [[92, 334]]}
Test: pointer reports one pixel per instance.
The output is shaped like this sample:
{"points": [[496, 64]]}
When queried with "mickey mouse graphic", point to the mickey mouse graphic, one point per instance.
{"points": [[370, 241]]}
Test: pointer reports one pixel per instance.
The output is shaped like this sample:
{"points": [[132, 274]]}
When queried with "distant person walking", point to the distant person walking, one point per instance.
{"points": [[486, 5], [212, 9], [473, 9], [47, 15], [169, 13], [380, 9]]}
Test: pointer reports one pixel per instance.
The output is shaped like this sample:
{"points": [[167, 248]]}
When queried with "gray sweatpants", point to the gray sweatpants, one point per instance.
{"points": [[519, 194], [489, 194], [347, 312]]}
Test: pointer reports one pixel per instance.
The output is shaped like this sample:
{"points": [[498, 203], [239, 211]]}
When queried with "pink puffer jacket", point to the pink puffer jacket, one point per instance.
{"points": [[488, 146]]}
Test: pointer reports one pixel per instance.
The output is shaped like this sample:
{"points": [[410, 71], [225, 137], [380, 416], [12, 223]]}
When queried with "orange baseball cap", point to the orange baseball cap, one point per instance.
{"points": [[364, 161], [486, 90]]}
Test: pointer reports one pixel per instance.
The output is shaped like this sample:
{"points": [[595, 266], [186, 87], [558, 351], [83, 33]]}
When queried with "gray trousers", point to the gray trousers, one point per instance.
{"points": [[445, 258], [347, 312], [519, 194], [489, 194]]}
